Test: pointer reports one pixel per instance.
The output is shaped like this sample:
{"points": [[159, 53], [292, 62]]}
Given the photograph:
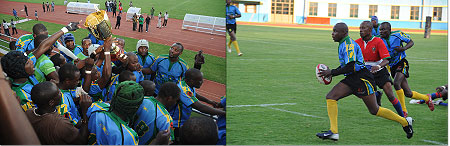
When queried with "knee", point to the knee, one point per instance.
{"points": [[373, 111], [397, 85], [408, 94]]}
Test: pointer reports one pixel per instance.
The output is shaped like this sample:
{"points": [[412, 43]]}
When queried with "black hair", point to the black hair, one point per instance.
{"points": [[345, 27], [56, 59], [39, 28], [368, 23], [13, 64], [148, 86], [39, 39], [199, 131], [169, 89], [40, 94], [12, 45], [386, 23], [125, 76], [67, 72], [178, 45], [192, 73]]}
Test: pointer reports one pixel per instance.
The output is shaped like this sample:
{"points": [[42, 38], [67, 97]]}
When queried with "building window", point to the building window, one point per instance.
{"points": [[332, 9], [250, 8], [354, 10], [437, 13], [373, 10], [313, 8], [282, 7], [394, 12], [414, 13]]}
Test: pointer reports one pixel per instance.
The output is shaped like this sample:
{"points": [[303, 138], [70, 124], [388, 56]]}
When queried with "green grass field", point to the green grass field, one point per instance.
{"points": [[278, 66], [213, 69], [176, 8]]}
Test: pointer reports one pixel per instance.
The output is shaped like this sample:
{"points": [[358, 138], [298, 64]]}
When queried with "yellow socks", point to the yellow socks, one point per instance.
{"points": [[401, 98], [332, 109], [388, 114], [417, 95], [235, 44]]}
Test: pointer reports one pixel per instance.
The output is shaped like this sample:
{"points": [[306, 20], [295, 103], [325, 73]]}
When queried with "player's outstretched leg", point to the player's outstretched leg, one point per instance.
{"points": [[414, 94], [339, 91], [374, 109], [387, 87]]}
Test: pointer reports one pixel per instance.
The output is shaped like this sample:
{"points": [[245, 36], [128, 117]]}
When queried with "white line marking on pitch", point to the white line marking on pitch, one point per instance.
{"points": [[262, 105], [434, 142], [297, 113]]}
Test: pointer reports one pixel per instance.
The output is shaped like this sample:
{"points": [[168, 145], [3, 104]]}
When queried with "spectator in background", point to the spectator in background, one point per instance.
{"points": [[199, 60], [6, 27], [15, 13], [48, 6], [26, 10], [120, 9], [147, 23], [106, 5], [166, 17], [35, 15], [114, 7], [65, 2], [53, 6], [159, 21], [152, 12], [43, 6], [131, 4], [141, 23], [135, 20], [13, 26], [118, 22]]}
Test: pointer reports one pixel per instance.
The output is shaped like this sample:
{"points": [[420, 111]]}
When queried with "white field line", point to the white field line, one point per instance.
{"points": [[276, 104], [261, 105], [297, 113], [434, 142]]}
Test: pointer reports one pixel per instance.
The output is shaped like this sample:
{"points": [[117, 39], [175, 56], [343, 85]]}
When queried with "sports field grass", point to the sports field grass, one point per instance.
{"points": [[175, 8], [213, 70], [278, 67]]}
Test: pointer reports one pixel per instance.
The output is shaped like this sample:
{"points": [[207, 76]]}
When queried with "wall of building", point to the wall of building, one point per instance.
{"points": [[301, 7]]}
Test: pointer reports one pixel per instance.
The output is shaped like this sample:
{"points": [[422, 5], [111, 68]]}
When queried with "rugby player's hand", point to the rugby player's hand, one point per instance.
{"points": [[72, 26], [215, 104], [85, 102], [88, 63], [162, 138], [374, 69], [325, 73], [400, 49]]}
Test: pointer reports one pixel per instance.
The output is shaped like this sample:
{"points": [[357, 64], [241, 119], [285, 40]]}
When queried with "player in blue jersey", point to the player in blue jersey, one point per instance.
{"points": [[399, 66], [189, 99], [221, 123], [69, 77], [25, 43], [145, 58], [358, 81], [376, 26], [153, 116], [69, 42], [232, 12], [111, 127], [169, 68]]}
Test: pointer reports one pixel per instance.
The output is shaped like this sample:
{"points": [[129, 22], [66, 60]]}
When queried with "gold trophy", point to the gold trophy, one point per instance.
{"points": [[100, 27]]}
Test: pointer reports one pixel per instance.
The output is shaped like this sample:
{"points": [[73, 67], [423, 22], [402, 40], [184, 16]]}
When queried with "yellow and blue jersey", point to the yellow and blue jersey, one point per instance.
{"points": [[146, 62], [221, 124], [182, 110], [231, 10], [152, 118], [109, 91], [24, 92], [376, 31], [167, 71], [395, 40], [350, 51], [25, 43], [106, 128], [139, 76], [68, 108]]}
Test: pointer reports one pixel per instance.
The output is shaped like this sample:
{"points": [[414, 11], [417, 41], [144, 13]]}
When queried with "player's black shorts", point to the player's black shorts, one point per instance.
{"points": [[231, 27], [360, 82], [382, 77], [402, 66]]}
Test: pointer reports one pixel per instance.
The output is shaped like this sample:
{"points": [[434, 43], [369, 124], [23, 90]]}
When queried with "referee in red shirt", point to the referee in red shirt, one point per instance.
{"points": [[376, 58]]}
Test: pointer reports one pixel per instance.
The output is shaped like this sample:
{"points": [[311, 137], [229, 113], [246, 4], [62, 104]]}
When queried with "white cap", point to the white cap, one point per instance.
{"points": [[92, 48], [142, 42]]}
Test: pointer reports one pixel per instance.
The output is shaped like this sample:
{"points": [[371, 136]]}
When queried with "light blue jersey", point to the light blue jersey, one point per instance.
{"points": [[350, 51], [152, 118], [68, 108], [167, 71], [182, 110], [146, 62], [231, 10], [395, 40]]}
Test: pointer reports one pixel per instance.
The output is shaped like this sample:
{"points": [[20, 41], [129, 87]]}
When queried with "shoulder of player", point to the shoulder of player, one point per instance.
{"points": [[183, 62], [163, 56]]}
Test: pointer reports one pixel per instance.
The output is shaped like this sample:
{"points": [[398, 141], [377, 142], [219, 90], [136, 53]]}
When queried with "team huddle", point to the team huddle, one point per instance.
{"points": [[368, 62], [96, 93]]}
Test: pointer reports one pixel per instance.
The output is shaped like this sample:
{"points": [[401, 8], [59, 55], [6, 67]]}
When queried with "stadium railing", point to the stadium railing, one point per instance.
{"points": [[5, 49], [205, 24]]}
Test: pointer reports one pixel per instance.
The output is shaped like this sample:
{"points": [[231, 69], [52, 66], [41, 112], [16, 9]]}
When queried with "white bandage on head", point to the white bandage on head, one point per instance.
{"points": [[142, 42]]}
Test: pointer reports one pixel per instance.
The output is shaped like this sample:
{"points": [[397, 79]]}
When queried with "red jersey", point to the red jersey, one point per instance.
{"points": [[374, 50]]}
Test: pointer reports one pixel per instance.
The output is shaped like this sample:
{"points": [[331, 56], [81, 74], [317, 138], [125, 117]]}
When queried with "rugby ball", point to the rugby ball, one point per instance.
{"points": [[322, 80]]}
